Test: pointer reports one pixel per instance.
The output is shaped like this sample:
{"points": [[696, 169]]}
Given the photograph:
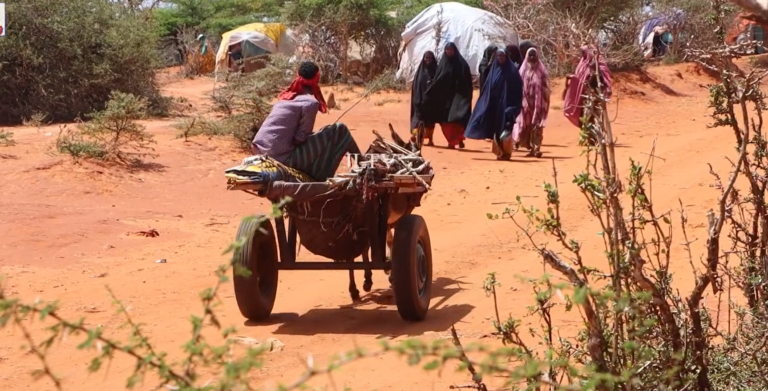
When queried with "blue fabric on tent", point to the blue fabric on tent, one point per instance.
{"points": [[674, 20], [503, 90], [758, 34]]}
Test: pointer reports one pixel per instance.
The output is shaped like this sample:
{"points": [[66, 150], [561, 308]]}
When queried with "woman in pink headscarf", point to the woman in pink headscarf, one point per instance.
{"points": [[586, 76], [529, 127]]}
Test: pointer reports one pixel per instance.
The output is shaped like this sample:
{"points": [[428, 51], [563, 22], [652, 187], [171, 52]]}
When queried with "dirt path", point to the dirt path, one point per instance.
{"points": [[64, 235]]}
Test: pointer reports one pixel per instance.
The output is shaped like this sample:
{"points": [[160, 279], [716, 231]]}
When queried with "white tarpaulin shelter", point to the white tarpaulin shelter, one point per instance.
{"points": [[471, 29]]}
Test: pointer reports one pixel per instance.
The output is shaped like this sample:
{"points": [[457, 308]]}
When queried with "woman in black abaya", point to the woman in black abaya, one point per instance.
{"points": [[451, 95], [420, 111]]}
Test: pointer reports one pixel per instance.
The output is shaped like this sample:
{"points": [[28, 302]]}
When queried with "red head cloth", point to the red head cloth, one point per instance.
{"points": [[298, 87]]}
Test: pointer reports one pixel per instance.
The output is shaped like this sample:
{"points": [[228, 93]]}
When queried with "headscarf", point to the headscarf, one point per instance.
{"points": [[486, 62], [513, 53], [451, 89], [573, 95], [421, 81], [499, 103], [298, 87], [535, 85]]}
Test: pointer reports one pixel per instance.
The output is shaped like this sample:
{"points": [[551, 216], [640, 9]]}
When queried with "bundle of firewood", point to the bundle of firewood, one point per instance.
{"points": [[388, 160]]}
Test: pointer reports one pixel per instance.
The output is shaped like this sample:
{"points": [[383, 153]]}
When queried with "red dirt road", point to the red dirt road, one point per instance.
{"points": [[64, 235]]}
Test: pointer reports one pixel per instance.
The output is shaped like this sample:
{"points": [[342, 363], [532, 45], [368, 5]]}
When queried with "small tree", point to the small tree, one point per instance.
{"points": [[112, 134], [331, 25]]}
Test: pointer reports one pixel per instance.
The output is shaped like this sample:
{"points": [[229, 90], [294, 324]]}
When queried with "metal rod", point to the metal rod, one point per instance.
{"points": [[333, 266]]}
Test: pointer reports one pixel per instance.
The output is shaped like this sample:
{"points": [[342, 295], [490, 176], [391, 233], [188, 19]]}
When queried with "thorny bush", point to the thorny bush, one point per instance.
{"points": [[561, 27], [111, 134], [64, 59], [329, 27], [639, 332], [560, 31], [245, 101]]}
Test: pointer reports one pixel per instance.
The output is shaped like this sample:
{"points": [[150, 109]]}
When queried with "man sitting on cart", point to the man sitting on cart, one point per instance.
{"points": [[287, 133]]}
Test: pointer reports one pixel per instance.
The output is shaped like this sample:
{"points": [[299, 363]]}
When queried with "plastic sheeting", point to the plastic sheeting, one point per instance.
{"points": [[471, 29], [257, 38]]}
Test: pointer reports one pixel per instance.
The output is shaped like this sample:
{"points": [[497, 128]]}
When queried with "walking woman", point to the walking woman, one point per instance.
{"points": [[586, 76], [500, 102], [513, 53], [529, 127], [485, 64], [525, 45], [451, 95], [420, 112]]}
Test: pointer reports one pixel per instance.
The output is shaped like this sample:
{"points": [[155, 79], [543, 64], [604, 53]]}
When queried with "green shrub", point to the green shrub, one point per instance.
{"points": [[112, 134], [6, 138], [65, 58], [71, 142], [245, 101]]}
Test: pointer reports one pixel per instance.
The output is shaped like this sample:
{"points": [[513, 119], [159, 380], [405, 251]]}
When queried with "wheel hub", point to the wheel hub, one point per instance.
{"points": [[421, 267]]}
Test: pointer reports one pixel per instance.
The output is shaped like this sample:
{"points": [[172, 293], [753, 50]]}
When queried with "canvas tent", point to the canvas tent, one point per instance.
{"points": [[660, 24], [744, 30], [256, 39], [471, 29]]}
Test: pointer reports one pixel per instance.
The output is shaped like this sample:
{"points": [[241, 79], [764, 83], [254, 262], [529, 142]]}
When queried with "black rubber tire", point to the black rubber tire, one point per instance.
{"points": [[412, 268], [256, 293]]}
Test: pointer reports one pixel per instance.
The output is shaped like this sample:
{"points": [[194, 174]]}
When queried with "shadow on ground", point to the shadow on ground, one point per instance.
{"points": [[376, 314]]}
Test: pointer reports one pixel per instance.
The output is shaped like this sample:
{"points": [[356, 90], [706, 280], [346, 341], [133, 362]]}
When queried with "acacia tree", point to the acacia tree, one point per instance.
{"points": [[328, 27], [212, 16]]}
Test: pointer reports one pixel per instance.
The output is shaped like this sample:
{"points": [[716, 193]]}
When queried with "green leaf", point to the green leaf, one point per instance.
{"points": [[432, 365]]}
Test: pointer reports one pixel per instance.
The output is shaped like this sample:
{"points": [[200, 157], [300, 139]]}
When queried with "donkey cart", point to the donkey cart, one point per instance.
{"points": [[349, 216]]}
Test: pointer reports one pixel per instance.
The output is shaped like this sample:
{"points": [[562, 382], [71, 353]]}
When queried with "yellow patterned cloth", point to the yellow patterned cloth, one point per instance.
{"points": [[429, 132], [262, 169]]}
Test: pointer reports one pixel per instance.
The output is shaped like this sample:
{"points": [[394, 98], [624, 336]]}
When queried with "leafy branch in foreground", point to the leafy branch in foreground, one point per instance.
{"points": [[233, 372], [639, 333]]}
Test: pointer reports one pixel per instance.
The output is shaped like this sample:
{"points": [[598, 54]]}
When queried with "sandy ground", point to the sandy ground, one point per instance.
{"points": [[64, 235]]}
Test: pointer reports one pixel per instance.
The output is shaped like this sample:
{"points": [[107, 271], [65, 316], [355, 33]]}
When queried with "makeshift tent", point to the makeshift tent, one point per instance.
{"points": [[744, 30], [673, 22], [255, 39], [471, 29]]}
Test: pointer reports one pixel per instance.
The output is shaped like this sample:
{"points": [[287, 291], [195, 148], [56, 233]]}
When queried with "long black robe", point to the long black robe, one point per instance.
{"points": [[420, 111], [500, 102], [451, 89], [513, 53], [485, 63]]}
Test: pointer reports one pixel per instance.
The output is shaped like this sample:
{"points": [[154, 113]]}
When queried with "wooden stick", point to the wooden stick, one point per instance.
{"points": [[391, 144], [415, 175], [350, 108]]}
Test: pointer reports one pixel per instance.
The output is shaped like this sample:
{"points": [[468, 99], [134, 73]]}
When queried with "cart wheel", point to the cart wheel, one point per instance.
{"points": [[412, 267], [256, 293]]}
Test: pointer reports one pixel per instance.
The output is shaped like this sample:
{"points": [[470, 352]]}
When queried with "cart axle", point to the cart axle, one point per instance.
{"points": [[333, 266]]}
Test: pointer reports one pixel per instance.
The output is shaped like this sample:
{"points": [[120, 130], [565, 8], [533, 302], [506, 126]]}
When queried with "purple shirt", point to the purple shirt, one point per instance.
{"points": [[289, 123]]}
